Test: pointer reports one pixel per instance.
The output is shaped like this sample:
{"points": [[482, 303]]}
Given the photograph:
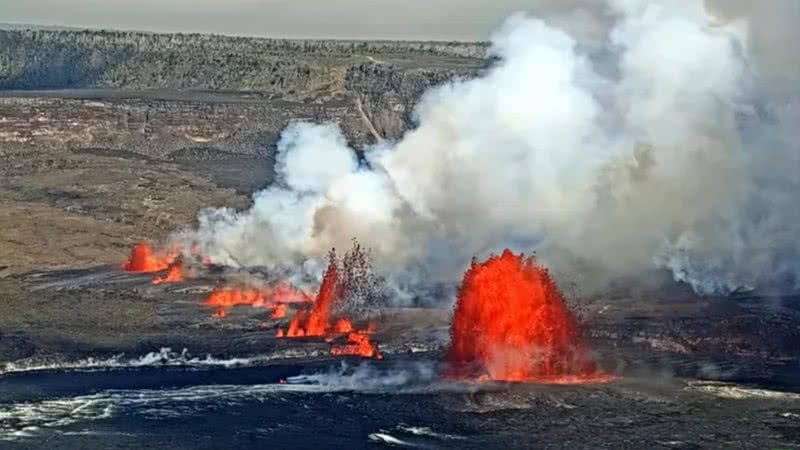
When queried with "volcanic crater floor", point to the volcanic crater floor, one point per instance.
{"points": [[98, 351]]}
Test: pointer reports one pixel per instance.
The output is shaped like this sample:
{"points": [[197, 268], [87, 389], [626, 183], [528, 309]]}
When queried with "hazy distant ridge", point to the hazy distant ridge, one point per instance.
{"points": [[58, 59]]}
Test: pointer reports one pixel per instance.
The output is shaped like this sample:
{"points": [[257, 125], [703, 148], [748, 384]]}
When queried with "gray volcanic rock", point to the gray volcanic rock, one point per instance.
{"points": [[156, 94], [52, 59]]}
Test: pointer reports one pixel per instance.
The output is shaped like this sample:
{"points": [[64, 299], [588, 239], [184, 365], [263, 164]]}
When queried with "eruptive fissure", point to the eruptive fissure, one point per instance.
{"points": [[144, 260], [511, 324], [316, 321], [273, 298], [174, 274], [319, 321], [357, 343]]}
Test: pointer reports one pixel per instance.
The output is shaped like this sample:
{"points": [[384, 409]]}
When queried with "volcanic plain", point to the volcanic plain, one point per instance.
{"points": [[118, 138]]}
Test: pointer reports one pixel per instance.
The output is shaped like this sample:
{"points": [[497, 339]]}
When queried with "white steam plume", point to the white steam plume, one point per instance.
{"points": [[676, 160]]}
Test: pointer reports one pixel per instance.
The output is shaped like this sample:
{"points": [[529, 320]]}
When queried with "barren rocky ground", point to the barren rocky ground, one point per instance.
{"points": [[108, 139], [94, 164]]}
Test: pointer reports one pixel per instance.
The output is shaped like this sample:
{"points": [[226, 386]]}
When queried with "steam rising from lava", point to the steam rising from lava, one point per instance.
{"points": [[654, 147]]}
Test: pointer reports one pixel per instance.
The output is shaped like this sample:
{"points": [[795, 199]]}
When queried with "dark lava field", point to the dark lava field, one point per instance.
{"points": [[95, 357]]}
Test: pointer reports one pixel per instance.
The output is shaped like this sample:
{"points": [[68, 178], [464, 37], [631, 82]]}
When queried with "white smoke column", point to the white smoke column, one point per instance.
{"points": [[506, 157], [274, 230], [617, 175], [484, 168], [677, 96]]}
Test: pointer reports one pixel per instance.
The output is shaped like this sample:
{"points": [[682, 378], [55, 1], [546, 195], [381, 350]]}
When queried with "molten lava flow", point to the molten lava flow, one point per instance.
{"points": [[343, 326], [511, 324], [144, 260], [261, 297], [274, 298], [219, 313], [224, 298], [174, 274], [357, 344], [317, 321], [278, 311]]}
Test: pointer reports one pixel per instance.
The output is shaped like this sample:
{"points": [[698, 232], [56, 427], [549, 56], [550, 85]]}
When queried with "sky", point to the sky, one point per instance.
{"points": [[364, 19]]}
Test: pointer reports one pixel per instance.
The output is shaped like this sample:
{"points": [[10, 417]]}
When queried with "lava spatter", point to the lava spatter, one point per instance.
{"points": [[278, 311], [144, 260], [511, 324], [356, 344], [174, 274], [318, 321]]}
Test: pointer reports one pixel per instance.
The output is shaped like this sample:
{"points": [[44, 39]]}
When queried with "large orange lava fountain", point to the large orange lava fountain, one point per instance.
{"points": [[511, 324]]}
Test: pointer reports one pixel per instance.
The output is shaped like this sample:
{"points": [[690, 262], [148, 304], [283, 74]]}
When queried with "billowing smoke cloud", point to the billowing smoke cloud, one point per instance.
{"points": [[678, 158]]}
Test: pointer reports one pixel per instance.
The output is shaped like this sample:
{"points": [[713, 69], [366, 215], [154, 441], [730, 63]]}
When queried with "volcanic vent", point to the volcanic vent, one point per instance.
{"points": [[144, 260], [346, 286], [511, 324]]}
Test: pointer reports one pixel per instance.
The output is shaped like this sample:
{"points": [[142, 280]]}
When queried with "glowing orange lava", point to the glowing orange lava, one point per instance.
{"points": [[317, 322], [219, 313], [511, 324], [144, 260], [358, 344], [174, 274], [278, 311], [274, 298], [343, 326], [225, 298]]}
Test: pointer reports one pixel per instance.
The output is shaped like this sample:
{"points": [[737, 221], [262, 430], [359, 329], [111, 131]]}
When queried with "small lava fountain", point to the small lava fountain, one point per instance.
{"points": [[357, 343], [278, 311], [511, 324], [144, 260], [318, 321], [226, 298]]}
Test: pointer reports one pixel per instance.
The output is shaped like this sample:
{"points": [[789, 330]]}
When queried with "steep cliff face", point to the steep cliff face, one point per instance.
{"points": [[155, 94], [124, 60]]}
